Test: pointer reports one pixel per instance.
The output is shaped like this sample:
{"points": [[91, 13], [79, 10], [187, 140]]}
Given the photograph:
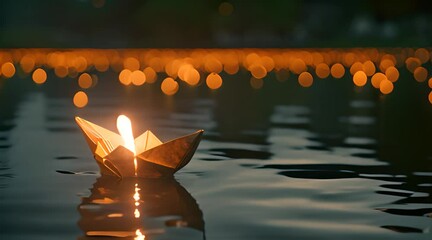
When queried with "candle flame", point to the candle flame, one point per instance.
{"points": [[124, 127]]}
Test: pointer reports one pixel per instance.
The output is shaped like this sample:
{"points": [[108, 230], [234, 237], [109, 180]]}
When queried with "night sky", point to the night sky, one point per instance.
{"points": [[199, 23]]}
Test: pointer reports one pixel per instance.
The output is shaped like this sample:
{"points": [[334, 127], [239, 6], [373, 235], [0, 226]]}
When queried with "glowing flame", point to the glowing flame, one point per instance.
{"points": [[124, 127], [136, 196]]}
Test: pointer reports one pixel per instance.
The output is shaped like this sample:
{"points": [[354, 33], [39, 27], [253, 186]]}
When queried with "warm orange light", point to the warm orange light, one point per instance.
{"points": [[349, 59], [169, 86], [430, 82], [369, 68], [214, 81], [377, 78], [72, 72], [150, 74], [183, 69], [386, 86], [39, 76], [258, 71], [360, 78], [298, 66], [392, 74], [172, 67], [80, 64], [420, 74], [137, 78], [386, 63], [95, 79], [80, 99], [422, 54], [268, 63], [85, 81], [8, 70], [357, 66], [322, 70], [337, 70], [213, 65], [124, 126], [124, 77], [27, 63], [189, 65], [430, 97], [61, 71], [101, 64], [192, 76], [131, 64], [231, 68], [305, 79], [412, 63]]}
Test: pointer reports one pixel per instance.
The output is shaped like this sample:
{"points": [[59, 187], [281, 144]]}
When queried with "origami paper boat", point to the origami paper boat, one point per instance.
{"points": [[153, 158]]}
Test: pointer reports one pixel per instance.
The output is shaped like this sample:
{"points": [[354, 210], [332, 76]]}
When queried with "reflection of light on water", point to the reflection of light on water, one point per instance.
{"points": [[137, 213], [136, 196], [115, 209], [139, 235]]}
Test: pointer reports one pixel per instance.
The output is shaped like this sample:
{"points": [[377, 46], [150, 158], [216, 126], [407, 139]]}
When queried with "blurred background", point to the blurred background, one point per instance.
{"points": [[214, 23]]}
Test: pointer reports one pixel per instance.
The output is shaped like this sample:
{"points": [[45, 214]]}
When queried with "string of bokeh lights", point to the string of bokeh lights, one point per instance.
{"points": [[169, 67]]}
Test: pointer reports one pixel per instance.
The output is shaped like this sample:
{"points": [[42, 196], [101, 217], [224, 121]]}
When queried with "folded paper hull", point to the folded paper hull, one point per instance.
{"points": [[155, 160]]}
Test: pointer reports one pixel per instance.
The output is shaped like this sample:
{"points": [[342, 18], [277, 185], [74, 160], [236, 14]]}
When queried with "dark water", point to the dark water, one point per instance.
{"points": [[329, 162]]}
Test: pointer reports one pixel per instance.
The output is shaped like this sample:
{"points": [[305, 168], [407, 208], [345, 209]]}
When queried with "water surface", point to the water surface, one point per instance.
{"points": [[329, 162]]}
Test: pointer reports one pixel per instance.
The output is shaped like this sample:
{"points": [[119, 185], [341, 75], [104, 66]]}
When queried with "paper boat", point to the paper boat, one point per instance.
{"points": [[153, 158]]}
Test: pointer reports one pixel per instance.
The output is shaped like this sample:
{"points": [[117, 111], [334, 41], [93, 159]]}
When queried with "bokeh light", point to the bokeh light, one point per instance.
{"points": [[386, 86], [169, 86], [392, 73], [39, 76], [420, 74], [137, 78], [305, 79], [322, 70], [80, 99], [258, 71], [131, 63], [124, 77], [8, 70], [430, 97], [214, 81], [337, 70], [151, 75], [369, 68], [178, 68], [85, 81], [377, 78], [360, 78]]}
